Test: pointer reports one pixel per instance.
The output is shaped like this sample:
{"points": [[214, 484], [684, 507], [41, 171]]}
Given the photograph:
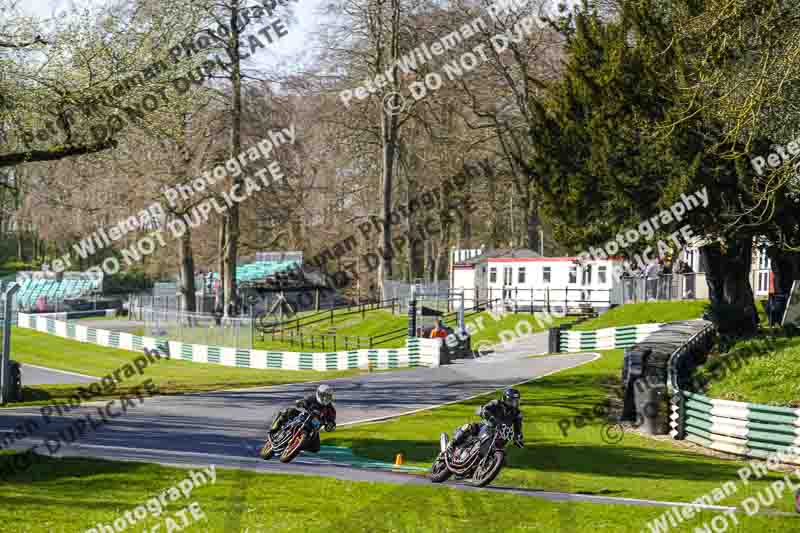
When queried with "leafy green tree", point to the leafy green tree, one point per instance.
{"points": [[614, 154]]}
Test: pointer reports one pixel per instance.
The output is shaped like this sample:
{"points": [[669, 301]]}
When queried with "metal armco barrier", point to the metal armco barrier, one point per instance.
{"points": [[9, 390], [738, 428], [605, 339], [646, 375]]}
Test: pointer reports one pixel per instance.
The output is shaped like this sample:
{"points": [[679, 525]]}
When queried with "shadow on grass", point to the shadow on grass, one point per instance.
{"points": [[571, 458], [72, 469]]}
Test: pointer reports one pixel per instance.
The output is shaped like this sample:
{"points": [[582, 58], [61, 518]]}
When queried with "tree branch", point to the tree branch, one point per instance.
{"points": [[37, 40], [35, 156]]}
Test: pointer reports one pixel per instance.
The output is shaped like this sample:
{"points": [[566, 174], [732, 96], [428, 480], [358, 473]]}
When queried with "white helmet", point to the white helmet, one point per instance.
{"points": [[325, 394]]}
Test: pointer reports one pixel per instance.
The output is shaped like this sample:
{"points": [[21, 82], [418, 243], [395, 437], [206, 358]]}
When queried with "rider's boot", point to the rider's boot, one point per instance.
{"points": [[276, 424]]}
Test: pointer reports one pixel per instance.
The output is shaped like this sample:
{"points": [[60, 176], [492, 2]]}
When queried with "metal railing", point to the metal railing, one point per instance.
{"points": [[198, 328], [568, 300], [665, 287], [325, 341], [266, 326]]}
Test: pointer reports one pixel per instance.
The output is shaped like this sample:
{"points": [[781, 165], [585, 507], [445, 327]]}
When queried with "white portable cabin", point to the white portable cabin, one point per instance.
{"points": [[525, 282]]}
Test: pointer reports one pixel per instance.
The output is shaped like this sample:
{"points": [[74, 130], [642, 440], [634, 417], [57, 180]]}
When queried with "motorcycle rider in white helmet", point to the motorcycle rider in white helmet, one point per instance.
{"points": [[320, 403]]}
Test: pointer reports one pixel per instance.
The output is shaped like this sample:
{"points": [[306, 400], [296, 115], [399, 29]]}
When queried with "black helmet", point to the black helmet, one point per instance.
{"points": [[511, 398]]}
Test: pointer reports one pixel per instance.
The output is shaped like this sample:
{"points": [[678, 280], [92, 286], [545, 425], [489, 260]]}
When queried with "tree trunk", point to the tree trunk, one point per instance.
{"points": [[411, 228], [534, 222], [232, 217], [785, 267], [219, 302], [19, 242], [186, 258], [733, 309], [389, 135]]}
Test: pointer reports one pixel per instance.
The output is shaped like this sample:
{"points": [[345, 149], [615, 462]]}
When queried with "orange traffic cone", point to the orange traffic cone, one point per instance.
{"points": [[399, 459]]}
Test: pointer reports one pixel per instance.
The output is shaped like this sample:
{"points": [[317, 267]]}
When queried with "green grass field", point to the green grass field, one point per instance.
{"points": [[761, 376], [486, 328], [172, 376], [45, 499], [582, 461], [645, 313], [374, 323]]}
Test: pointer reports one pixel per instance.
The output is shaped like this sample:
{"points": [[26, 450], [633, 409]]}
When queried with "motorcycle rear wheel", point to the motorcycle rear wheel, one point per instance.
{"points": [[267, 451], [488, 469], [293, 448], [440, 471]]}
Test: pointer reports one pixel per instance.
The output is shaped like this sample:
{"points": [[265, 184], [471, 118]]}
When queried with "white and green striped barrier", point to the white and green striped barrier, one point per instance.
{"points": [[738, 428], [607, 338], [417, 352]]}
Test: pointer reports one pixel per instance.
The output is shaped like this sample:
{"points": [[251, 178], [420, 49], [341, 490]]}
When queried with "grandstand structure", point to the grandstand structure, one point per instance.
{"points": [[48, 291], [265, 271]]}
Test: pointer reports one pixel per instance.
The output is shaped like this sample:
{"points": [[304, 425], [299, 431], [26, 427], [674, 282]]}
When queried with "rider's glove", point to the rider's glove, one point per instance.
{"points": [[330, 426], [519, 441]]}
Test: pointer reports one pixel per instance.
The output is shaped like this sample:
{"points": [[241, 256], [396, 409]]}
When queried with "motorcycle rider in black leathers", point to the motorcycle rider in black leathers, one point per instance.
{"points": [[320, 403], [505, 410]]}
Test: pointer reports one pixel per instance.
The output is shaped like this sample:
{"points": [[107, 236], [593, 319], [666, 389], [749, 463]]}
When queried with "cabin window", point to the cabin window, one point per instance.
{"points": [[521, 275], [507, 277], [586, 275], [573, 274], [601, 274], [493, 275], [546, 276]]}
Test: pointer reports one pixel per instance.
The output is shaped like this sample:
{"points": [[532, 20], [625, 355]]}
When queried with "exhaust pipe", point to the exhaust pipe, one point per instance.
{"points": [[443, 440]]}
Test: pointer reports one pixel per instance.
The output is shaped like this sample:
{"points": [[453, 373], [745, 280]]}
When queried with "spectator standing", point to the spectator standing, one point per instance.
{"points": [[651, 279]]}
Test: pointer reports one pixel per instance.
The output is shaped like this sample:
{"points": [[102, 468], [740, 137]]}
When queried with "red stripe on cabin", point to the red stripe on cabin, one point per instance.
{"points": [[544, 259]]}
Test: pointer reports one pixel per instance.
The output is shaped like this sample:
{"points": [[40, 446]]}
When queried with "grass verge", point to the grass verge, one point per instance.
{"points": [[46, 497], [760, 372], [645, 313], [564, 453], [373, 323], [485, 327], [172, 376]]}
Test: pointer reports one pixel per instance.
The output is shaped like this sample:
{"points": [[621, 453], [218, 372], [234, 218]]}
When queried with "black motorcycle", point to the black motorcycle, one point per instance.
{"points": [[288, 442], [480, 457]]}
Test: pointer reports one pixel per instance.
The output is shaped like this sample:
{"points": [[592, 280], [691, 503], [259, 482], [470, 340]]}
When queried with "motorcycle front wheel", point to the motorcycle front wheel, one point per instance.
{"points": [[439, 471], [294, 447], [488, 469]]}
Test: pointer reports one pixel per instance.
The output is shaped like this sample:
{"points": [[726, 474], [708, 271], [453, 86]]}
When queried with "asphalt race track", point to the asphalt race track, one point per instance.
{"points": [[39, 375], [228, 425], [225, 428]]}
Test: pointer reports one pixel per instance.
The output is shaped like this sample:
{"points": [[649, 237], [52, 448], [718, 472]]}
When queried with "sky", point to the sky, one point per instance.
{"points": [[307, 21]]}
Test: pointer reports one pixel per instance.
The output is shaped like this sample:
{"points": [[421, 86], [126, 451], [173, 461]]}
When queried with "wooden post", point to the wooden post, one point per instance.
{"points": [[331, 315], [334, 343], [316, 299], [363, 309]]}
